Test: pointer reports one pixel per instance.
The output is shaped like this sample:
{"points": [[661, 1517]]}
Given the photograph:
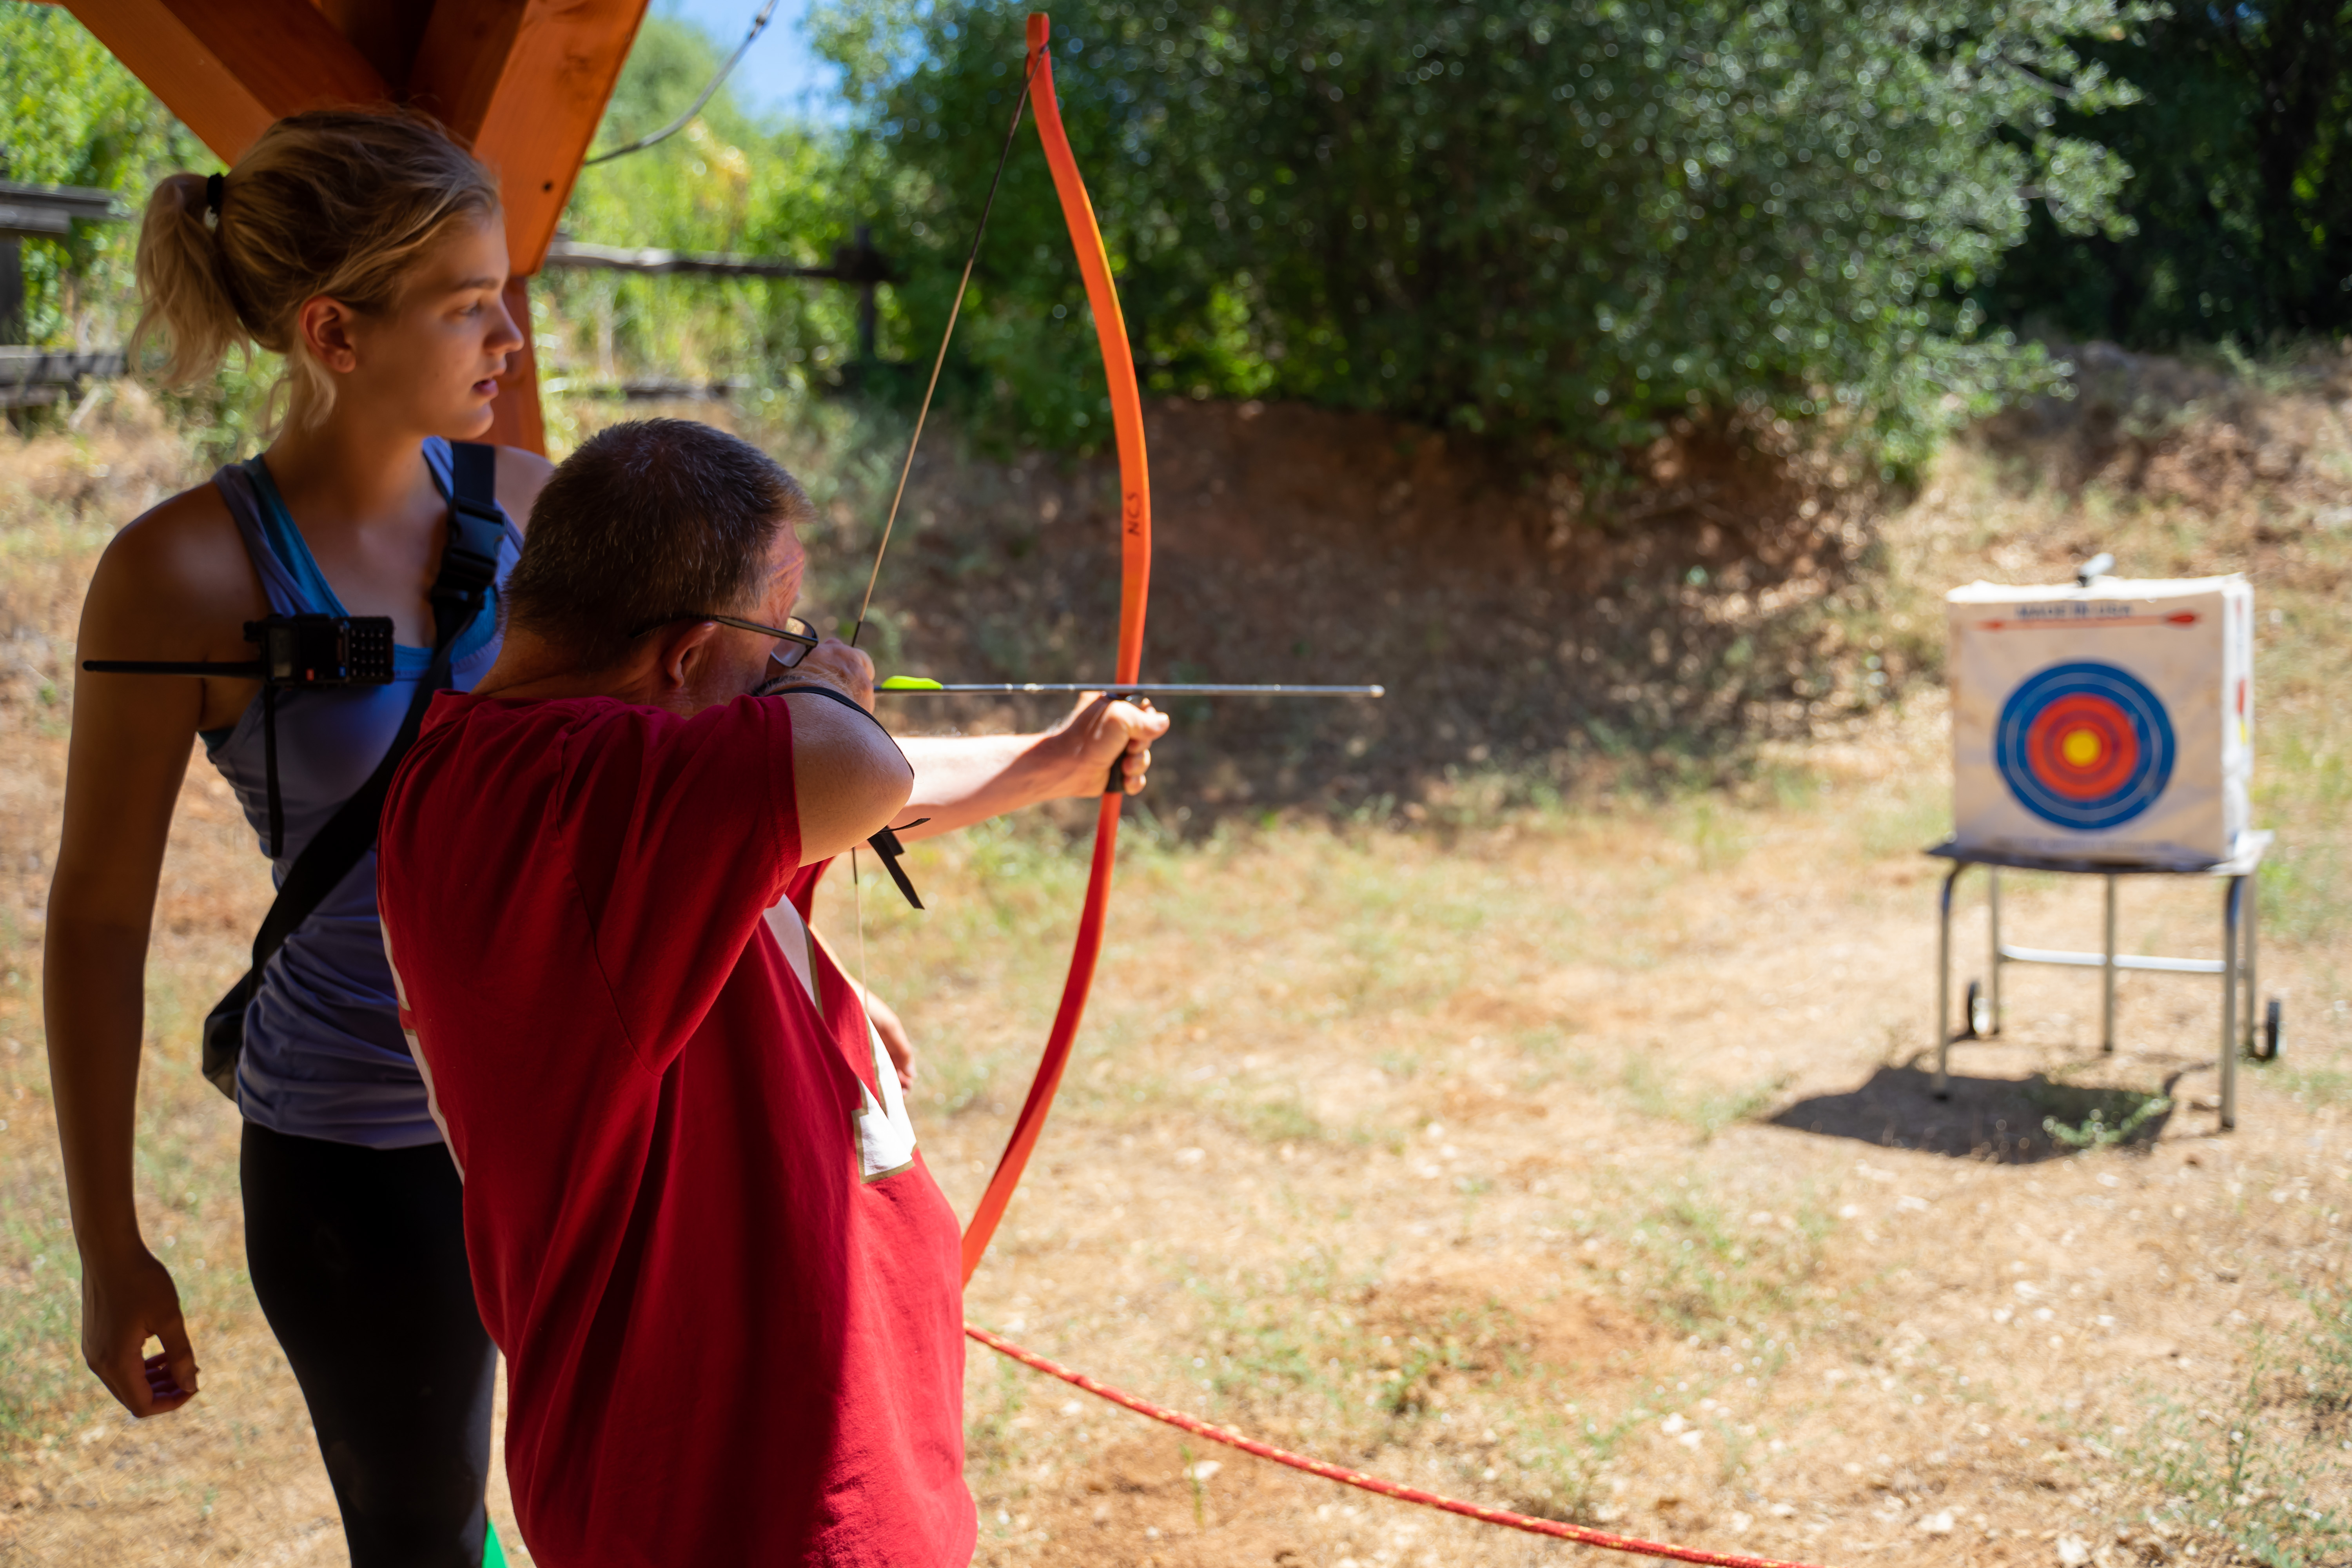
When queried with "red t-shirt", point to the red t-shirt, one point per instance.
{"points": [[726, 1288]]}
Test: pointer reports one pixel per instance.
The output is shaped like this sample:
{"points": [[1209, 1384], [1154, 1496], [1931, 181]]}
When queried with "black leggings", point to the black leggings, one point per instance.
{"points": [[359, 1257]]}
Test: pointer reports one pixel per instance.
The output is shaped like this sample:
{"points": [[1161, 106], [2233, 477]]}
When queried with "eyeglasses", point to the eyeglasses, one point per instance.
{"points": [[797, 634]]}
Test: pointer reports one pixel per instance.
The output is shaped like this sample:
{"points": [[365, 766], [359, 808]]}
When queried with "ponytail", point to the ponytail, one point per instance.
{"points": [[181, 287], [336, 202]]}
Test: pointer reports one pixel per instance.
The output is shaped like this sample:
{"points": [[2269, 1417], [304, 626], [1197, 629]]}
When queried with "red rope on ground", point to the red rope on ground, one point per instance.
{"points": [[1505, 1517]]}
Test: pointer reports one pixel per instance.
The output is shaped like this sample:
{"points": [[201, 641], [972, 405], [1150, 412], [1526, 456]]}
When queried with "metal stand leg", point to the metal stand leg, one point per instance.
{"points": [[1992, 972], [2253, 1009], [2108, 977], [1944, 983], [2231, 898]]}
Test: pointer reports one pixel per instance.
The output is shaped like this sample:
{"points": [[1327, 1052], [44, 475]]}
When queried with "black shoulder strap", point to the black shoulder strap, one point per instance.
{"points": [[469, 563]]}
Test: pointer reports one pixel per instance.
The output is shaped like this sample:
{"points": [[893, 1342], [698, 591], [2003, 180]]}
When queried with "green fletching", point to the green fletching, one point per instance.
{"points": [[907, 683]]}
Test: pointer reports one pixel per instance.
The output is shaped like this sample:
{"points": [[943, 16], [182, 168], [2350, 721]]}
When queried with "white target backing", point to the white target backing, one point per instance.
{"points": [[2111, 723]]}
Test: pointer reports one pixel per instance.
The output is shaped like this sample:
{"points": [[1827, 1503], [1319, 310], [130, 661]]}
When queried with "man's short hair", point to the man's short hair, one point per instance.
{"points": [[649, 518]]}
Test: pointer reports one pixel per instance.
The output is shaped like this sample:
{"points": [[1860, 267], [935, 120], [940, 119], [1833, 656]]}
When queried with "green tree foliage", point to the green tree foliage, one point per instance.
{"points": [[71, 115], [1564, 217], [729, 182], [2241, 202]]}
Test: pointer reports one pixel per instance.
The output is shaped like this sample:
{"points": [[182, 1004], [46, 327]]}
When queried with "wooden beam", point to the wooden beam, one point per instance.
{"points": [[461, 58], [230, 68], [528, 80], [386, 34]]}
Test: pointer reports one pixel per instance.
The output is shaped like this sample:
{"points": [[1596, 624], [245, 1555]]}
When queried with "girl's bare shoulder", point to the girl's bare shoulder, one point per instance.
{"points": [[521, 475], [179, 569]]}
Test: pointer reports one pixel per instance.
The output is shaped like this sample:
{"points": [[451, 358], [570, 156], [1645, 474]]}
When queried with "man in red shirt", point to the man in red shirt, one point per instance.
{"points": [[726, 1285]]}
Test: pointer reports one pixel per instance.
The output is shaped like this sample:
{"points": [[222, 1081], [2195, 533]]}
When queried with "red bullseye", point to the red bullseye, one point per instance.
{"points": [[2082, 746]]}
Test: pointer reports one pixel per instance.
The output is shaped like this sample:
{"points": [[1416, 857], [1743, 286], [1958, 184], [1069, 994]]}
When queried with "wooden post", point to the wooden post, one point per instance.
{"points": [[516, 419], [12, 290], [526, 82], [865, 302]]}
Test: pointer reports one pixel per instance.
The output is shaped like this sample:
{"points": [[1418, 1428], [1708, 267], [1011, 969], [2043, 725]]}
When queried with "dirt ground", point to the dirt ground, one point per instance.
{"points": [[1571, 1155]]}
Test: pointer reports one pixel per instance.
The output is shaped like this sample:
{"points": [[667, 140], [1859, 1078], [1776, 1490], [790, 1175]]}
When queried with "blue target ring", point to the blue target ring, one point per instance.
{"points": [[2084, 745]]}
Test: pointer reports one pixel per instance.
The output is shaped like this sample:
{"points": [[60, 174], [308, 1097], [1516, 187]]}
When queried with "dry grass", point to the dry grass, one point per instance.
{"points": [[1575, 1159]]}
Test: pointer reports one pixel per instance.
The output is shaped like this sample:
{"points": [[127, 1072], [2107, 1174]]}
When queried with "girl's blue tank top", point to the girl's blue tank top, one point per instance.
{"points": [[323, 1053]]}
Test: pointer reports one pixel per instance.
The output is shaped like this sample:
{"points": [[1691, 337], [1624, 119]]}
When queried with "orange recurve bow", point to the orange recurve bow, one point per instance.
{"points": [[1135, 579]]}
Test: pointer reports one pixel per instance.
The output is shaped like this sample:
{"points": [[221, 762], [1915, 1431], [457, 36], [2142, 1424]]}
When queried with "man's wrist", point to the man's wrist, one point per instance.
{"points": [[1053, 766]]}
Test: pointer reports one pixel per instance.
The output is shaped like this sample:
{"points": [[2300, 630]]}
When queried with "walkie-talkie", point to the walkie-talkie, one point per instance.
{"points": [[297, 652]]}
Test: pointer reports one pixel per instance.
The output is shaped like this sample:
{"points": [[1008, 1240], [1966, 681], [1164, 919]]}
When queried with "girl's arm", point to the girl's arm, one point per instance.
{"points": [[173, 585]]}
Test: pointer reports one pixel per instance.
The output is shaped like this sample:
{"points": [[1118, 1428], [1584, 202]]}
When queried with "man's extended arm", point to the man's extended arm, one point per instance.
{"points": [[960, 780]]}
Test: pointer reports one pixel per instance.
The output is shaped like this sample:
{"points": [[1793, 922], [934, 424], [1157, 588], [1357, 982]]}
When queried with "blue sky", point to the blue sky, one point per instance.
{"points": [[780, 73]]}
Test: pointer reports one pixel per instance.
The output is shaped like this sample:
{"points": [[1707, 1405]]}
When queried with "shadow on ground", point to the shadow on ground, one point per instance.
{"points": [[1999, 1119]]}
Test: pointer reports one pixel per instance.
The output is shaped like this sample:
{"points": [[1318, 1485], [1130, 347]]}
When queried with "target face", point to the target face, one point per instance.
{"points": [[2084, 745]]}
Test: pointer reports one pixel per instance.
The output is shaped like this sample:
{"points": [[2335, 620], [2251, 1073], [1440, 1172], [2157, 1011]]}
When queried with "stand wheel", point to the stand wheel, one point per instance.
{"points": [[2274, 1035], [1978, 1016]]}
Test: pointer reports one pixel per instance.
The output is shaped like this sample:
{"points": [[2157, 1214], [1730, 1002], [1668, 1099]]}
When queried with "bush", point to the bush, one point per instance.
{"points": [[729, 182], [75, 116], [2241, 207], [1537, 218]]}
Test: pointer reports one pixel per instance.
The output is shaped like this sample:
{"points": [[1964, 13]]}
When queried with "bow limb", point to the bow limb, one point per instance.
{"points": [[1119, 361], [1135, 577]]}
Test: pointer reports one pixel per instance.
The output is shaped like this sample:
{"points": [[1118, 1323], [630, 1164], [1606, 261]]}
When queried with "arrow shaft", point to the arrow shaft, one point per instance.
{"points": [[1126, 689]]}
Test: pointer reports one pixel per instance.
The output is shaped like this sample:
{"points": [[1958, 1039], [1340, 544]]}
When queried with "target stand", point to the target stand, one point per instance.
{"points": [[2241, 900]]}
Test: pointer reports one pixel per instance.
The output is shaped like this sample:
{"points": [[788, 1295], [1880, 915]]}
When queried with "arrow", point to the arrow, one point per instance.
{"points": [[916, 686], [2077, 623]]}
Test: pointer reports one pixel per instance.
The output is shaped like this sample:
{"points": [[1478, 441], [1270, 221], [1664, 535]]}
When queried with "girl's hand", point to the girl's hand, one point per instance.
{"points": [[125, 1302]]}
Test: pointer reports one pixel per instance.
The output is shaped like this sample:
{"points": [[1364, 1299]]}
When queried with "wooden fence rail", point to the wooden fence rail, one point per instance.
{"points": [[857, 264], [30, 378]]}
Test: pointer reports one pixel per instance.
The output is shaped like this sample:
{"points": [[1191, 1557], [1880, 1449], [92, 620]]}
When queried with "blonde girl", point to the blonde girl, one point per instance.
{"points": [[366, 250]]}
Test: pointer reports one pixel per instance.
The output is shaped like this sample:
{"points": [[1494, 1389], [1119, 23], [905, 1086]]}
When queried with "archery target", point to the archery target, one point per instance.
{"points": [[2108, 723], [2084, 745]]}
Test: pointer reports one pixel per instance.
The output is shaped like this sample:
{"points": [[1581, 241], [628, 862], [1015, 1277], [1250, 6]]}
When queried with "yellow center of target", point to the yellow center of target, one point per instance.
{"points": [[2080, 748]]}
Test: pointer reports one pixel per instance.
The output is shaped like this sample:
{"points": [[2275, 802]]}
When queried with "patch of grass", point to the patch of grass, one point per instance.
{"points": [[1713, 833], [1337, 1361], [1558, 1455], [991, 1444], [1911, 814], [1283, 1119], [2306, 892], [2312, 1085], [40, 1301], [1705, 1112], [2247, 1482], [957, 1081], [2096, 1134], [1687, 1263], [2323, 1360], [2080, 1117], [2266, 1478]]}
